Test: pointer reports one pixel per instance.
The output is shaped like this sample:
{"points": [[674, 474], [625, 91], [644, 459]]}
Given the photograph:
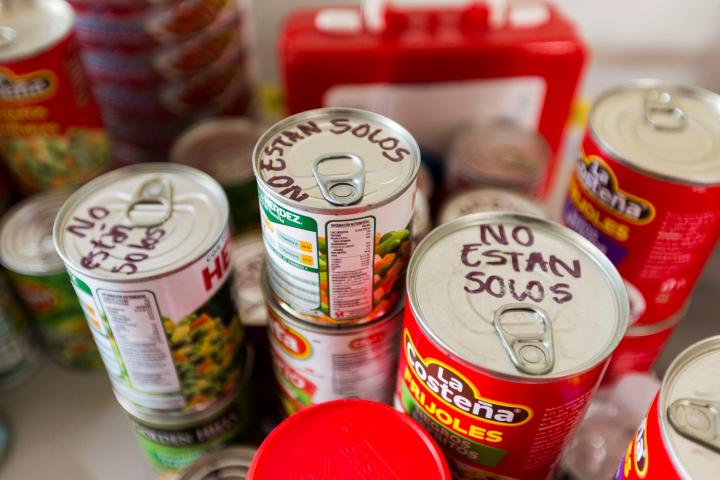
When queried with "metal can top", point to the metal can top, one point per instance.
{"points": [[518, 296], [663, 129], [349, 439], [336, 159], [248, 256], [30, 27], [228, 464], [178, 420], [500, 153], [141, 221], [220, 147], [487, 200], [689, 410], [26, 241]]}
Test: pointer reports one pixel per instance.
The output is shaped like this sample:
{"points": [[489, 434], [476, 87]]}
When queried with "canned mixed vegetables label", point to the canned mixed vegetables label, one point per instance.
{"points": [[174, 442], [40, 279], [679, 437], [317, 363], [18, 352], [148, 250], [646, 188], [336, 190], [510, 324], [50, 128], [487, 200], [223, 149]]}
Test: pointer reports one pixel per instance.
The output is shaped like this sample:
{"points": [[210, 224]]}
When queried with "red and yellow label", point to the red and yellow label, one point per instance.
{"points": [[289, 340]]}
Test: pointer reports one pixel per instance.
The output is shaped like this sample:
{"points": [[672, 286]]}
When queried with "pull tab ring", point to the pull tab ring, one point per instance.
{"points": [[662, 114], [697, 420], [530, 349], [341, 189], [154, 191]]}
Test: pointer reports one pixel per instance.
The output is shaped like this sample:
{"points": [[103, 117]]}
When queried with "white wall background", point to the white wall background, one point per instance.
{"points": [[670, 39]]}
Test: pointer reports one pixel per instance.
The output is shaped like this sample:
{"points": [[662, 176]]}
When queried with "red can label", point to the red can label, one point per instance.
{"points": [[657, 233], [488, 427], [647, 456], [51, 133]]}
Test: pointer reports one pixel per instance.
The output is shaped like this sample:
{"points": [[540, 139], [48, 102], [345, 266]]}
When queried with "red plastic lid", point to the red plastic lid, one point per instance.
{"points": [[349, 440]]}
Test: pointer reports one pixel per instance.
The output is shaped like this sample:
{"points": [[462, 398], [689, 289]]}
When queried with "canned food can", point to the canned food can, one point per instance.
{"points": [[352, 440], [510, 323], [148, 251], [319, 363], [223, 149], [40, 279], [336, 190], [678, 439], [487, 200], [51, 132], [172, 443], [640, 348], [228, 463], [18, 352], [646, 188], [421, 222], [500, 154]]}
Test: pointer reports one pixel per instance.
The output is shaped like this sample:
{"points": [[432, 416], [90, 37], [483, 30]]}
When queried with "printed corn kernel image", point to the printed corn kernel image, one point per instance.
{"points": [[205, 353]]}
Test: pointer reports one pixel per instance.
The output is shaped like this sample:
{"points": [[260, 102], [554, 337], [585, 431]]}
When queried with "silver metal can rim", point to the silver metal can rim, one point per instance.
{"points": [[227, 458], [593, 254], [108, 178], [209, 128], [694, 351], [273, 304], [356, 112], [169, 420], [25, 207], [648, 329], [69, 14], [698, 93]]}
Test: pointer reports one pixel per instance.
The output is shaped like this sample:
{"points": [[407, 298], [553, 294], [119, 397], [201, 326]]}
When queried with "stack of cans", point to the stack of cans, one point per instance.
{"points": [[645, 191], [157, 66], [336, 190], [147, 248]]}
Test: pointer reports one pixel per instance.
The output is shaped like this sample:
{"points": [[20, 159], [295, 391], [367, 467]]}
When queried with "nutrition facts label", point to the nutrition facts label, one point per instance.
{"points": [[350, 267], [136, 325]]}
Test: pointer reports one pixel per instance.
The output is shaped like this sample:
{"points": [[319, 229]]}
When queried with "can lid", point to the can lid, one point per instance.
{"points": [[487, 200], [661, 128], [26, 241], [140, 221], [220, 147], [169, 419], [336, 159], [518, 296], [352, 440], [228, 464], [248, 256], [689, 409], [30, 27], [500, 153]]}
